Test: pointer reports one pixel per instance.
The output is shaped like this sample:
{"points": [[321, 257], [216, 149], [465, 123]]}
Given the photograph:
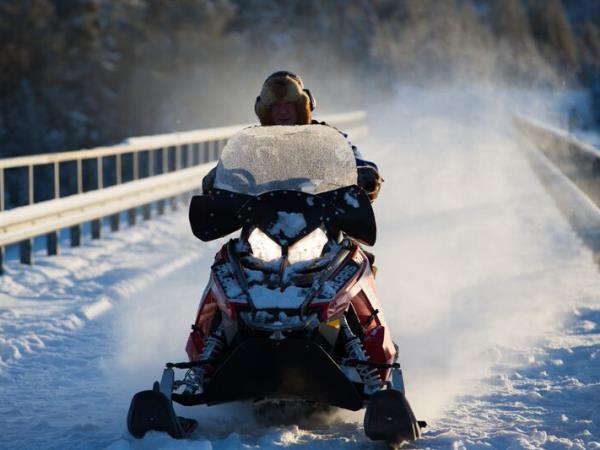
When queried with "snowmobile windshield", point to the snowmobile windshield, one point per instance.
{"points": [[309, 158]]}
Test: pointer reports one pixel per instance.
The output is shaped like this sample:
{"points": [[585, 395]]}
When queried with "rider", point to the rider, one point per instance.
{"points": [[283, 100]]}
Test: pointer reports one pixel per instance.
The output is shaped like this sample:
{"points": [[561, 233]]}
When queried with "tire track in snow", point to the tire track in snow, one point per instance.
{"points": [[58, 295]]}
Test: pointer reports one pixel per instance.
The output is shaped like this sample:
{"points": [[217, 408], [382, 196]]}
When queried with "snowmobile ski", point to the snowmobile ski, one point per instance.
{"points": [[152, 410], [390, 418]]}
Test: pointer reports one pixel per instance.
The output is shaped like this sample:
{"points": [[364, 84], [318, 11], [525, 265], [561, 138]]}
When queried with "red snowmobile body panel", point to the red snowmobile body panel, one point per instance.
{"points": [[356, 284]]}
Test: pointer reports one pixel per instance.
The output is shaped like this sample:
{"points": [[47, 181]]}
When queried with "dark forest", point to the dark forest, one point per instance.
{"points": [[81, 73]]}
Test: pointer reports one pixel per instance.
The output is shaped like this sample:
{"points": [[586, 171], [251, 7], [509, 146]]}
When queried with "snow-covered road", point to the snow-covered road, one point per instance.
{"points": [[493, 300]]}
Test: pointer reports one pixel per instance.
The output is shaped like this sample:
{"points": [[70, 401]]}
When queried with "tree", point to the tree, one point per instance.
{"points": [[553, 33]]}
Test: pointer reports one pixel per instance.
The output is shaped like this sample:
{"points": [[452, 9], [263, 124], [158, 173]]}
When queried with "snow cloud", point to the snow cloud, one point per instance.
{"points": [[473, 255]]}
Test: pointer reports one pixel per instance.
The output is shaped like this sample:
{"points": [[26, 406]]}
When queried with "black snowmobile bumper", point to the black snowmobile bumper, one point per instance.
{"points": [[267, 368]]}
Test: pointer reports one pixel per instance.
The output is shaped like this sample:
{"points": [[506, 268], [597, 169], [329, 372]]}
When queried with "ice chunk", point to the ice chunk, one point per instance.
{"points": [[290, 224], [291, 297], [329, 290], [254, 276]]}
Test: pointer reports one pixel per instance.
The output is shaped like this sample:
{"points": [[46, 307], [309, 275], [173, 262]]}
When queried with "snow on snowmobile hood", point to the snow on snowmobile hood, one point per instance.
{"points": [[260, 166]]}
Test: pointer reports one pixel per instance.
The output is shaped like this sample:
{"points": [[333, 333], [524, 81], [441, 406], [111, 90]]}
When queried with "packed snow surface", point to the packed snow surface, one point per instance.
{"points": [[490, 295]]}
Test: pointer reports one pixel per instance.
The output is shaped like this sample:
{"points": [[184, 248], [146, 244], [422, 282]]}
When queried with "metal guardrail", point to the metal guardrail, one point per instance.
{"points": [[579, 161], [548, 135], [569, 171], [173, 165]]}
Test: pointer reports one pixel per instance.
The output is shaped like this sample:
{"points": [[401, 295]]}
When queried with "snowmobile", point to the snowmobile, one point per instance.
{"points": [[290, 311]]}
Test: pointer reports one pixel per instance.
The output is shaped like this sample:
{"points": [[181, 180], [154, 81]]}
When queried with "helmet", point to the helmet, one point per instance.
{"points": [[288, 87]]}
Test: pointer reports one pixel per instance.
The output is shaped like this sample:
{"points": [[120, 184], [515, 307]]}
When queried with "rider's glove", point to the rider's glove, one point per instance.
{"points": [[370, 180]]}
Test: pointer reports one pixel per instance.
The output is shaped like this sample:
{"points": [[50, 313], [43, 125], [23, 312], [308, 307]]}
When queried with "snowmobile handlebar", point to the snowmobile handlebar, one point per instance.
{"points": [[375, 365]]}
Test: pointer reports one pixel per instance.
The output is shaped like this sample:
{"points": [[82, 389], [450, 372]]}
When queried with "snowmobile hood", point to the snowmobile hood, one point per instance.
{"points": [[285, 215]]}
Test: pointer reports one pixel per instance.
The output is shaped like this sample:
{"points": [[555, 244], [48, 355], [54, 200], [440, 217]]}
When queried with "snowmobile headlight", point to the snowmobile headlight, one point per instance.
{"points": [[309, 247], [263, 247]]}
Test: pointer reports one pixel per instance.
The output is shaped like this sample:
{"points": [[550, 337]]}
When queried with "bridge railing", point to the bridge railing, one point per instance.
{"points": [[161, 167], [569, 170]]}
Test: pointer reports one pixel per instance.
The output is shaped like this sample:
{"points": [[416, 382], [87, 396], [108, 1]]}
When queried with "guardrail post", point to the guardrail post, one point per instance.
{"points": [[132, 212], [79, 176], [136, 166], [1, 190], [196, 152], [99, 174], [97, 224], [165, 159], [56, 179], [115, 219], [114, 222], [151, 156], [215, 154], [119, 175], [30, 176], [52, 243], [206, 156], [131, 216], [1, 260], [177, 157], [146, 212], [161, 207], [75, 232], [26, 251], [96, 228]]}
